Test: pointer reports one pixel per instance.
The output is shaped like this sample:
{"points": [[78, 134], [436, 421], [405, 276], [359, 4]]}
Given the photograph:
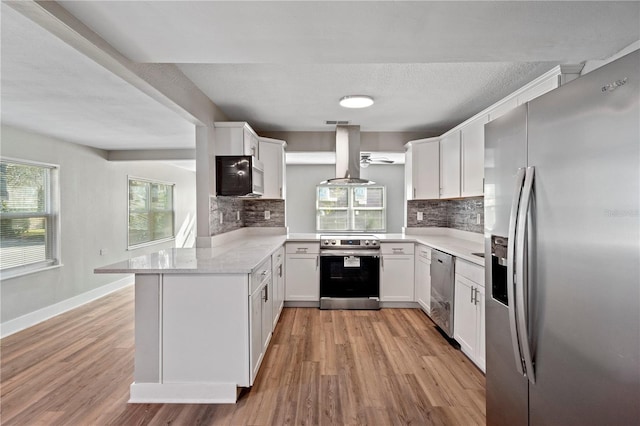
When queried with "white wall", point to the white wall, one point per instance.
{"points": [[301, 200], [93, 208]]}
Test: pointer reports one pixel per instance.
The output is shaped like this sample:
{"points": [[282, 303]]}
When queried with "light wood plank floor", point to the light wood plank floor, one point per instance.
{"points": [[323, 367]]}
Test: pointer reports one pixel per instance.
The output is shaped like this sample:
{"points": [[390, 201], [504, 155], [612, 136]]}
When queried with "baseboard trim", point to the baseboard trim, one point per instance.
{"points": [[15, 325]]}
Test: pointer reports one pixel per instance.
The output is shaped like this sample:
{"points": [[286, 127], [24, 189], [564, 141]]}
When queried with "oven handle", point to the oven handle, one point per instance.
{"points": [[354, 253]]}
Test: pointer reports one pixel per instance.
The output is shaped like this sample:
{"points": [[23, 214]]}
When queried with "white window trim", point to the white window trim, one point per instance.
{"points": [[53, 202], [173, 201], [351, 209]]}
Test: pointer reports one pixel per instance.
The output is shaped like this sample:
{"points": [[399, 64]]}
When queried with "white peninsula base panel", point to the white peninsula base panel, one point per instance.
{"points": [[192, 338]]}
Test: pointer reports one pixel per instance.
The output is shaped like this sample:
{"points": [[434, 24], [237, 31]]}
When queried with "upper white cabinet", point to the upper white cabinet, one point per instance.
{"points": [[538, 89], [425, 169], [450, 165], [273, 158], [502, 108], [472, 157], [236, 138]]}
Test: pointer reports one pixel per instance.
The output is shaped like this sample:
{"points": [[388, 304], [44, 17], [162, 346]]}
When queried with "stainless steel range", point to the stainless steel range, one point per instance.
{"points": [[349, 272]]}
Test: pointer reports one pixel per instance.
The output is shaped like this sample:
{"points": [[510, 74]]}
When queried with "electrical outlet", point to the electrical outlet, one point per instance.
{"points": [[238, 215], [478, 219], [420, 216], [221, 219], [267, 214], [103, 252]]}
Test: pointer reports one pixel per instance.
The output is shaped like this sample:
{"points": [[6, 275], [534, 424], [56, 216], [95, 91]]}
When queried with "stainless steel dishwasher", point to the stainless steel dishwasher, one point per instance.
{"points": [[442, 283]]}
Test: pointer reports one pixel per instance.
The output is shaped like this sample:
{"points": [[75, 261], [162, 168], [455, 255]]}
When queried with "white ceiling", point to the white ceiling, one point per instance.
{"points": [[284, 65], [50, 88]]}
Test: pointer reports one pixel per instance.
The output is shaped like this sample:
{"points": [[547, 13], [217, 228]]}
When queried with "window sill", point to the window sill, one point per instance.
{"points": [[15, 274]]}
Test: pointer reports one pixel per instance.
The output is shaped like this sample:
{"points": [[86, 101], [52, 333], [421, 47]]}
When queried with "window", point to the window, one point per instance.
{"points": [[28, 217], [151, 214], [350, 208]]}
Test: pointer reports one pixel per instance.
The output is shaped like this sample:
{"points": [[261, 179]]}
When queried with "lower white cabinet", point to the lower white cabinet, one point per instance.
{"points": [[302, 278], [469, 314], [261, 315], [397, 272], [423, 277], [277, 279]]}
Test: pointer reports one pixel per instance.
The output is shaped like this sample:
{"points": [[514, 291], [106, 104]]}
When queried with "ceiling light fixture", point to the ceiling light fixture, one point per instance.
{"points": [[356, 101]]}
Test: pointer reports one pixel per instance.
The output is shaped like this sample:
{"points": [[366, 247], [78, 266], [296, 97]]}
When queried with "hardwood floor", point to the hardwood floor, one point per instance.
{"points": [[387, 367]]}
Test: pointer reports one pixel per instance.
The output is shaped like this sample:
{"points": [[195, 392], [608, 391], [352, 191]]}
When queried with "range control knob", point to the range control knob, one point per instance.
{"points": [[334, 242], [374, 243], [325, 242], [366, 242]]}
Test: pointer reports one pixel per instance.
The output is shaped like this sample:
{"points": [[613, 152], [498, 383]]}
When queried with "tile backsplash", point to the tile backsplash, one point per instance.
{"points": [[252, 213], [459, 214]]}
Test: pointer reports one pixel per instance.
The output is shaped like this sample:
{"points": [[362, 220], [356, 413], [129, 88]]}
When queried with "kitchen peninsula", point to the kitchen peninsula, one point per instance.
{"points": [[204, 316]]}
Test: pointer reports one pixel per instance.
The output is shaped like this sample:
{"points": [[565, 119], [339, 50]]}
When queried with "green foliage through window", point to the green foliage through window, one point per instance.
{"points": [[151, 211]]}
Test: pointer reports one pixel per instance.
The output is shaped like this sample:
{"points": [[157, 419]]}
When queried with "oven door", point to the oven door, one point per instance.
{"points": [[349, 276]]}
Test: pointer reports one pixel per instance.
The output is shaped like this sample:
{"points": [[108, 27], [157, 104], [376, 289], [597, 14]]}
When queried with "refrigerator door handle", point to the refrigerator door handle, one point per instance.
{"points": [[511, 243], [521, 274]]}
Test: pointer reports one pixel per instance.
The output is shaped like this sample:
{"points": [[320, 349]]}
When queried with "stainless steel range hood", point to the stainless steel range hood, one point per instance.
{"points": [[347, 157]]}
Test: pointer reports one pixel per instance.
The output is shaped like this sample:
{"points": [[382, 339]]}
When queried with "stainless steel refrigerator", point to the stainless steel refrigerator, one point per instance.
{"points": [[562, 243]]}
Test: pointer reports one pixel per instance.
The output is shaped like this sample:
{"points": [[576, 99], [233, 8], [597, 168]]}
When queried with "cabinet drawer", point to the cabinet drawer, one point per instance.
{"points": [[397, 248], [470, 271], [423, 251], [261, 273], [277, 257], [303, 248]]}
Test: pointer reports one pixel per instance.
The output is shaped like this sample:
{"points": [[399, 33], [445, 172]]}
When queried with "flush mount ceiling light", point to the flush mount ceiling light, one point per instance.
{"points": [[356, 101]]}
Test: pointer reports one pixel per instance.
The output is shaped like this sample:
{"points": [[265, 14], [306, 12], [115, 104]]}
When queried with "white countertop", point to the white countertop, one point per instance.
{"points": [[248, 251]]}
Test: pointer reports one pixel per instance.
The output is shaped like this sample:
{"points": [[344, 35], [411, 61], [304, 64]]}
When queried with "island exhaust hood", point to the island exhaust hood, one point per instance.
{"points": [[347, 157]]}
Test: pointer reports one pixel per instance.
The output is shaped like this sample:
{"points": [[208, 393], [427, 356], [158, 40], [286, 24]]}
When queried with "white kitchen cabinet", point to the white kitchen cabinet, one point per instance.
{"points": [[539, 89], [273, 159], [450, 165], [425, 169], [302, 277], [397, 272], [236, 138], [472, 157], [503, 108], [277, 274], [468, 322], [261, 317], [423, 277]]}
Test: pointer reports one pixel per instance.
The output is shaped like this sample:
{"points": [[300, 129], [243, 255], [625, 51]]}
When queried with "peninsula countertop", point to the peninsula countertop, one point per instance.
{"points": [[244, 254]]}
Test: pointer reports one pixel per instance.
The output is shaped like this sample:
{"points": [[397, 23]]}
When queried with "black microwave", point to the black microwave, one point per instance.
{"points": [[239, 175]]}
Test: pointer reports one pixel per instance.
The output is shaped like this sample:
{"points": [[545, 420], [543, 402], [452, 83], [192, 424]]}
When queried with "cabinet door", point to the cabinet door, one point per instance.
{"points": [[267, 316], [450, 166], [481, 357], [423, 283], [302, 278], [272, 156], [472, 140], [397, 279], [250, 144], [255, 322], [465, 326], [426, 170]]}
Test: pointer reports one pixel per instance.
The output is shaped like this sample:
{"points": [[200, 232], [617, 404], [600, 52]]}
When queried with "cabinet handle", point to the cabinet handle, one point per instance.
{"points": [[471, 295], [317, 261], [264, 273], [414, 193], [265, 293], [280, 270], [382, 262], [280, 192], [397, 249]]}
